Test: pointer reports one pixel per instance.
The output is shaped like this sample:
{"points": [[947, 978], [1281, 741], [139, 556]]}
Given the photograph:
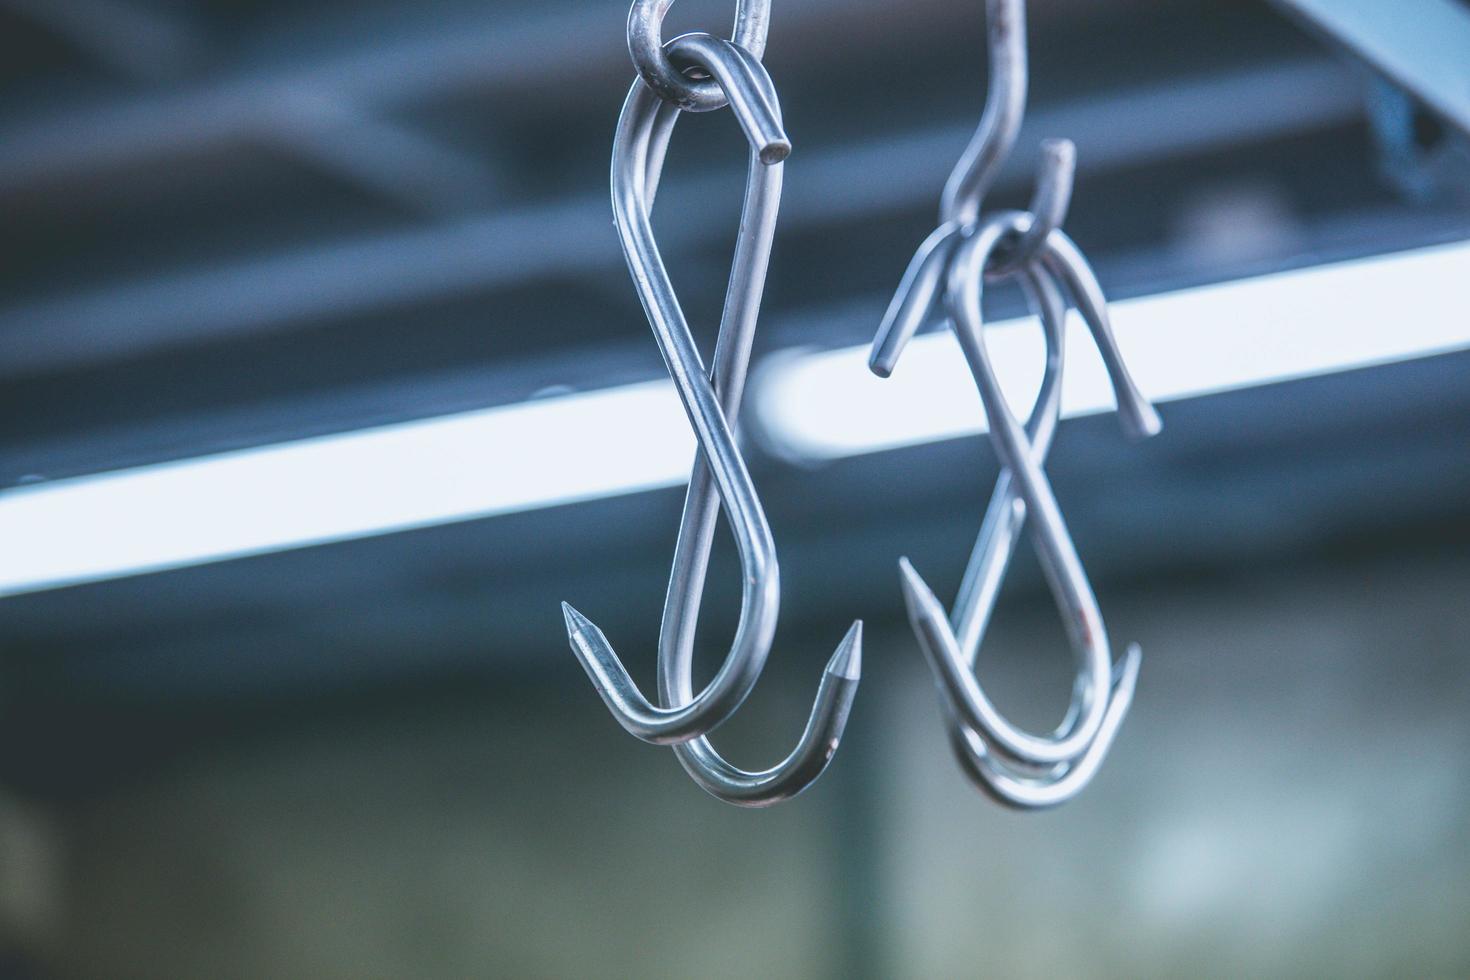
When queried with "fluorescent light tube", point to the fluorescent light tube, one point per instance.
{"points": [[331, 488], [1178, 345], [826, 405]]}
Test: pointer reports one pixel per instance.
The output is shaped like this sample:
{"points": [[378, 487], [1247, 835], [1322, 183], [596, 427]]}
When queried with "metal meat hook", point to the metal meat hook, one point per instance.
{"points": [[1030, 786], [1023, 488], [947, 275], [719, 473], [840, 678]]}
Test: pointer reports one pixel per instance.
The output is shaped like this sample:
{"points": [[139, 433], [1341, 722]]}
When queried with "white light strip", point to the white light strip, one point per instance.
{"points": [[1178, 345], [496, 461], [622, 440]]}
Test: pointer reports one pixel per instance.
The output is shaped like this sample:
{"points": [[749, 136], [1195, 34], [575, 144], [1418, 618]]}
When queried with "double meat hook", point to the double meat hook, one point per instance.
{"points": [[698, 72], [948, 275]]}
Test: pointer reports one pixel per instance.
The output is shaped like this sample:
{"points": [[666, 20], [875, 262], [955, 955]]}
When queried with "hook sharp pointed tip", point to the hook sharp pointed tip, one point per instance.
{"points": [[576, 622], [847, 662], [880, 366], [913, 583], [922, 604], [913, 587], [1125, 673]]}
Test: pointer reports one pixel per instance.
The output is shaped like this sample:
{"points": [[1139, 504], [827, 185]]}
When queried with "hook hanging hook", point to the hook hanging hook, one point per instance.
{"points": [[951, 644], [918, 294], [1000, 123], [947, 275], [980, 589]]}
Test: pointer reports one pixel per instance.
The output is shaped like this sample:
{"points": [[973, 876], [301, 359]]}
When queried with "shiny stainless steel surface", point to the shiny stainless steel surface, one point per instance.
{"points": [[951, 266], [712, 399]]}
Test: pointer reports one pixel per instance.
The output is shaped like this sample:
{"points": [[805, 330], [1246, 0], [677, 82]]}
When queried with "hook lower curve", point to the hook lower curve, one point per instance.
{"points": [[637, 153], [1060, 783], [814, 749]]}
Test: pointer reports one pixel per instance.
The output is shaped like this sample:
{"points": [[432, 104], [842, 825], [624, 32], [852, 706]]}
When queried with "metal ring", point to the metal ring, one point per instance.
{"points": [[645, 44]]}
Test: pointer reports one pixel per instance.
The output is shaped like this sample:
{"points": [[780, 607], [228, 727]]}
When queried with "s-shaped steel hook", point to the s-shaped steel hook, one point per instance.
{"points": [[954, 262], [719, 475]]}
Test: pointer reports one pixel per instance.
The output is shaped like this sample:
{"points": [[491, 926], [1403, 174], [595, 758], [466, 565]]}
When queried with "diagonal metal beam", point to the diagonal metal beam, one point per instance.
{"points": [[1421, 45]]}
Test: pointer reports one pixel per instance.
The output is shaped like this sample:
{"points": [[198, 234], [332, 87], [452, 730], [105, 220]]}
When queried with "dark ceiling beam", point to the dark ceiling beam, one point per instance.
{"points": [[550, 59], [109, 438], [571, 236]]}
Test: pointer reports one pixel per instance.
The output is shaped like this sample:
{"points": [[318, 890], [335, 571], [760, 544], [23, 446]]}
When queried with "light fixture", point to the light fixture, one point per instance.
{"points": [[533, 454], [1198, 341], [812, 406]]}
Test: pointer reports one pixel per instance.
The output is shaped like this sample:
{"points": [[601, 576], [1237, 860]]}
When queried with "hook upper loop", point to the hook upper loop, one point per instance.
{"points": [[646, 45], [1047, 212], [1000, 123]]}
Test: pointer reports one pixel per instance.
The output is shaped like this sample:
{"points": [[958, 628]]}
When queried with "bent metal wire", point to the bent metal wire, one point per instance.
{"points": [[719, 477], [645, 44], [951, 266]]}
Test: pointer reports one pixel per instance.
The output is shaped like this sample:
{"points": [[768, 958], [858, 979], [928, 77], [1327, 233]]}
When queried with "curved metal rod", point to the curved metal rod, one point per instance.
{"points": [[1062, 782], [918, 294], [1000, 123], [1059, 561], [916, 298], [646, 45], [961, 638], [1006, 513], [952, 644], [1022, 787], [839, 681], [1065, 260], [1048, 208], [740, 78], [960, 254]]}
